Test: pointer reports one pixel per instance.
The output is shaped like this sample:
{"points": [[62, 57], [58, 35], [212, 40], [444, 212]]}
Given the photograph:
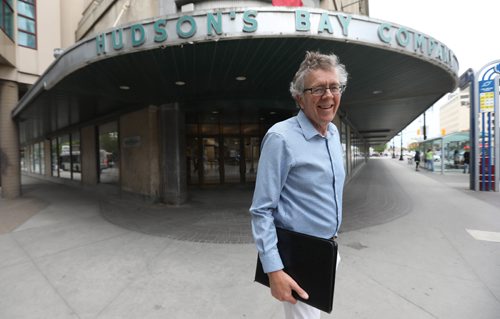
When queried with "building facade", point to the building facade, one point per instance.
{"points": [[155, 97], [454, 115], [30, 31]]}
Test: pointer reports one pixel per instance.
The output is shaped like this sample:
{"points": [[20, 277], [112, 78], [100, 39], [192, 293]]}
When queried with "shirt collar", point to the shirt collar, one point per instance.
{"points": [[309, 130]]}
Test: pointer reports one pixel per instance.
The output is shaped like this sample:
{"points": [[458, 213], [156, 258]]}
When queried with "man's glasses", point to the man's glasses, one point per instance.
{"points": [[321, 90]]}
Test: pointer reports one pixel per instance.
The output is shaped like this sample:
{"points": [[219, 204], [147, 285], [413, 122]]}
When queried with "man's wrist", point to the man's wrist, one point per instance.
{"points": [[275, 273]]}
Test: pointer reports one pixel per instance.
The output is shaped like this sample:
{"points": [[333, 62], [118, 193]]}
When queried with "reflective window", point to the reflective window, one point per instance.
{"points": [[252, 154], [210, 160], [26, 39], [76, 161], [7, 18], [109, 153], [64, 160], [37, 158], [232, 159], [54, 155], [26, 23], [22, 157]]}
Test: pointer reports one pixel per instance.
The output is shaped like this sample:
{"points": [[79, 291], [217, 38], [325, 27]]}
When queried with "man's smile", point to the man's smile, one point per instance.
{"points": [[325, 107]]}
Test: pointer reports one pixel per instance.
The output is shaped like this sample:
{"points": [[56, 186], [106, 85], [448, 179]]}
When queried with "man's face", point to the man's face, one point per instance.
{"points": [[320, 110]]}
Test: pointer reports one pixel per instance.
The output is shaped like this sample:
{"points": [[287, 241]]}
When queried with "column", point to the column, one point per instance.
{"points": [[9, 142], [88, 149], [173, 154]]}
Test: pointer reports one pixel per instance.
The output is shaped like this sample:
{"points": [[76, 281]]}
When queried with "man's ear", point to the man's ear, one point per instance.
{"points": [[300, 101]]}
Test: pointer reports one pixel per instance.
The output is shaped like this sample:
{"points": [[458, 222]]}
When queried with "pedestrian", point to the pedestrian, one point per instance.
{"points": [[466, 161], [456, 159], [416, 158], [301, 174], [429, 156]]}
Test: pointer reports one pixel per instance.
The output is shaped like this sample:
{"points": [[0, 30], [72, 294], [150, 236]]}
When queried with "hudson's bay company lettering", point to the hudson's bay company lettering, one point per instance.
{"points": [[225, 24]]}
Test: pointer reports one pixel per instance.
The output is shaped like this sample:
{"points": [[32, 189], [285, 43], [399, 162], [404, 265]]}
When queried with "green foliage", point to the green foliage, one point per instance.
{"points": [[109, 142], [380, 148]]}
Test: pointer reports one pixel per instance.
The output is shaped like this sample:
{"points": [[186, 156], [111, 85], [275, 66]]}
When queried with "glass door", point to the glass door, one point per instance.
{"points": [[252, 153], [232, 160], [193, 161], [211, 167]]}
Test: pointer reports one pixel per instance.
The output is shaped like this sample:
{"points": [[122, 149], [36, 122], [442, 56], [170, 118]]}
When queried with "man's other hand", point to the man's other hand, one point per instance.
{"points": [[282, 286]]}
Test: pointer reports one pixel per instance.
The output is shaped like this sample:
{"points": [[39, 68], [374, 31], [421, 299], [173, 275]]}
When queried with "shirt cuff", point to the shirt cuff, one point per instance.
{"points": [[271, 261]]}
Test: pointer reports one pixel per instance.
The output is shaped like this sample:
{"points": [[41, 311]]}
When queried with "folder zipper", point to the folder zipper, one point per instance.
{"points": [[334, 190]]}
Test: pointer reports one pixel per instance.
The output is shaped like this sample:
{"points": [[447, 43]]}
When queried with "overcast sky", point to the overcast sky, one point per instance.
{"points": [[468, 28]]}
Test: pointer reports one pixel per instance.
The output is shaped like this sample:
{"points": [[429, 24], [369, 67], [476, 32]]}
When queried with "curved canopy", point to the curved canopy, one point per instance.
{"points": [[245, 59]]}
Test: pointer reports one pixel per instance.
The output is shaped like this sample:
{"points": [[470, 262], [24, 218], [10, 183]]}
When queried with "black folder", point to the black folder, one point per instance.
{"points": [[311, 262]]}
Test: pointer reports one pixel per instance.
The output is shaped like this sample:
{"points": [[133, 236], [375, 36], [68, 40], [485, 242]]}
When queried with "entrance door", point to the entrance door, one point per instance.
{"points": [[211, 167], [208, 163], [232, 160], [252, 154]]}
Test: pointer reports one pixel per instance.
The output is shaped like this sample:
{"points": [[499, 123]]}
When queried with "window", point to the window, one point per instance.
{"points": [[109, 153], [76, 160], [26, 23], [54, 156], [64, 159], [65, 156], [7, 18], [37, 158]]}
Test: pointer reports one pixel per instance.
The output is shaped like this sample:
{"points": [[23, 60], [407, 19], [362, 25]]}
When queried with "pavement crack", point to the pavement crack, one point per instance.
{"points": [[459, 253], [73, 311], [403, 297]]}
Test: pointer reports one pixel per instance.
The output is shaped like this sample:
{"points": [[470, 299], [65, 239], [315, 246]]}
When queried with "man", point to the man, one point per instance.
{"points": [[466, 161], [429, 156], [417, 160], [301, 174]]}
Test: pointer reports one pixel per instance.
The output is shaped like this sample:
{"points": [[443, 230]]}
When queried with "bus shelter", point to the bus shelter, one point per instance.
{"points": [[448, 152]]}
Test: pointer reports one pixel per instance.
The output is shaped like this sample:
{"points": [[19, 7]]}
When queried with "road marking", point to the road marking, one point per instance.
{"points": [[484, 235]]}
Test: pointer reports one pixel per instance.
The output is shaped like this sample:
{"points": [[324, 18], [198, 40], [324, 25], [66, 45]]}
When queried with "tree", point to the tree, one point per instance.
{"points": [[380, 148], [109, 142], [413, 146]]}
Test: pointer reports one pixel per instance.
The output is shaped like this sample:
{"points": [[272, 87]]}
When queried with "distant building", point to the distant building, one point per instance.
{"points": [[454, 116]]}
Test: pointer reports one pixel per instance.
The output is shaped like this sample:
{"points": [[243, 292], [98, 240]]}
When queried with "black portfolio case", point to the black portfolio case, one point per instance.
{"points": [[311, 262]]}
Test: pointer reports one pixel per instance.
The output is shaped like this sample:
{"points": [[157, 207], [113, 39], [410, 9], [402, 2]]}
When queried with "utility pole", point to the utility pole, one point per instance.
{"points": [[393, 148], [425, 128], [401, 151]]}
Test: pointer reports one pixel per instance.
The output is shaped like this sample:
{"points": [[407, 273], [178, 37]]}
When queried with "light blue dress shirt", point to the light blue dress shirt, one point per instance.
{"points": [[300, 181]]}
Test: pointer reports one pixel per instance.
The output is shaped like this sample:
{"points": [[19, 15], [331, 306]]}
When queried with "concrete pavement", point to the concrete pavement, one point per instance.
{"points": [[406, 252]]}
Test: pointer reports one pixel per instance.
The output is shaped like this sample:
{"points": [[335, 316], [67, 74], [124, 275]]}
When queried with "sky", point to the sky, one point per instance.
{"points": [[468, 28]]}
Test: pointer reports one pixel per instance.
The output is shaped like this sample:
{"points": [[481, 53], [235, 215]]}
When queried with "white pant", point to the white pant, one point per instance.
{"points": [[301, 310]]}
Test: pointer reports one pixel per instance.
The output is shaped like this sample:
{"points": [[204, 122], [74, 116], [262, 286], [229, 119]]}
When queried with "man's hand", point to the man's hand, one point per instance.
{"points": [[282, 286]]}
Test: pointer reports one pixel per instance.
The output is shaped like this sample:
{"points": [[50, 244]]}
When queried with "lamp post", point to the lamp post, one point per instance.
{"points": [[401, 150], [393, 148]]}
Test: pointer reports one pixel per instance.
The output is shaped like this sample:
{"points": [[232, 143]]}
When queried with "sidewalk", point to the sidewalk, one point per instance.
{"points": [[69, 253]]}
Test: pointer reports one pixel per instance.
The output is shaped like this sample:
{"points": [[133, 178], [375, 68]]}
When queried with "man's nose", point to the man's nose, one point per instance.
{"points": [[328, 92]]}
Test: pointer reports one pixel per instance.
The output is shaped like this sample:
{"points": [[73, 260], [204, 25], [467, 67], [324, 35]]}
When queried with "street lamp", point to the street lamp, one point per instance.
{"points": [[401, 151], [393, 148]]}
